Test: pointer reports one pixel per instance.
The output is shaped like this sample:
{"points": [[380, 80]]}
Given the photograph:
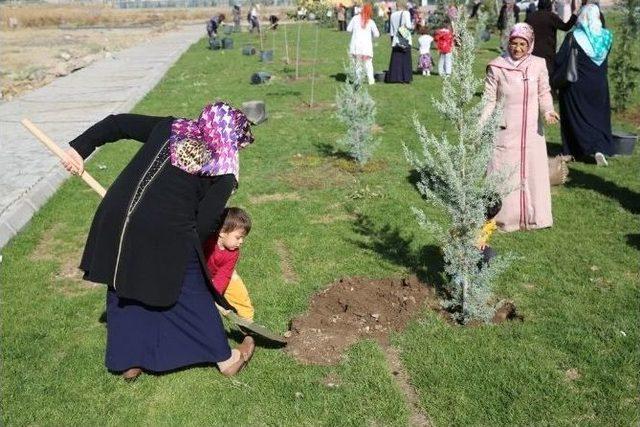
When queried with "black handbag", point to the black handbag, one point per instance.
{"points": [[403, 43], [567, 72]]}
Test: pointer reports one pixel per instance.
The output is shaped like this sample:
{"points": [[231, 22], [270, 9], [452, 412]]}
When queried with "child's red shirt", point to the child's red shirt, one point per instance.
{"points": [[221, 263], [444, 40]]}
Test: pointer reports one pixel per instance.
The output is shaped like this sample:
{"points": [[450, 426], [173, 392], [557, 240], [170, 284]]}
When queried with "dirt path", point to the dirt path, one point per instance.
{"points": [[33, 57], [418, 417]]}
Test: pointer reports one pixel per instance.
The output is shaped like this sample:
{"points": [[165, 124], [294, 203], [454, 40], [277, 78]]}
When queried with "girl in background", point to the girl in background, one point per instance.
{"points": [[425, 62]]}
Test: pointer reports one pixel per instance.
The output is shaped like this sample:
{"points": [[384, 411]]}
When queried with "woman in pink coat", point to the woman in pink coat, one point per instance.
{"points": [[520, 83]]}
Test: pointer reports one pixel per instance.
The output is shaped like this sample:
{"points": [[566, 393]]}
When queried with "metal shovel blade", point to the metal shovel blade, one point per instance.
{"points": [[255, 328]]}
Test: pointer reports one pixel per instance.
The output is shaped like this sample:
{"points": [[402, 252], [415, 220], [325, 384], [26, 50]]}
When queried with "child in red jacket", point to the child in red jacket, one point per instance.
{"points": [[444, 44], [222, 252]]}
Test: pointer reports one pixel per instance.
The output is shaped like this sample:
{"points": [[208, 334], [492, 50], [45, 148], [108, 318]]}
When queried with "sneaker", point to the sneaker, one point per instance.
{"points": [[601, 160], [424, 73]]}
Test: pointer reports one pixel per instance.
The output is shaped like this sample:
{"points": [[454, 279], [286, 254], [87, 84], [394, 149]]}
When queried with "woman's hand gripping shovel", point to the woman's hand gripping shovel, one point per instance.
{"points": [[95, 185]]}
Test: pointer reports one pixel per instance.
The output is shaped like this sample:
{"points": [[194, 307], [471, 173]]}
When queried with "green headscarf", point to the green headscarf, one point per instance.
{"points": [[589, 34]]}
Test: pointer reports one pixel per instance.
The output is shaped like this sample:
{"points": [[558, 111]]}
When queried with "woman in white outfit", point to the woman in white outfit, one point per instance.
{"points": [[363, 29]]}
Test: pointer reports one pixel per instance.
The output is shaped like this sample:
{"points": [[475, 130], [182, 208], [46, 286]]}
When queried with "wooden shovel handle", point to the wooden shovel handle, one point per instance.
{"points": [[53, 147]]}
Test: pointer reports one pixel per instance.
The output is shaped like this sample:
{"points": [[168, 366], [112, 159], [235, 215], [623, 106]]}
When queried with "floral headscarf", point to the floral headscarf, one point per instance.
{"points": [[523, 31], [592, 38], [209, 145]]}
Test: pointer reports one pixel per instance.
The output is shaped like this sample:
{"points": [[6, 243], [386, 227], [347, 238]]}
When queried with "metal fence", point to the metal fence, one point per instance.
{"points": [[138, 4], [156, 4]]}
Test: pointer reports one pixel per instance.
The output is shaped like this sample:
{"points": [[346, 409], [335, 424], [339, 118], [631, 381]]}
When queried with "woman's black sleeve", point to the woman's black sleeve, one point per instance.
{"points": [[113, 128], [213, 204], [564, 26]]}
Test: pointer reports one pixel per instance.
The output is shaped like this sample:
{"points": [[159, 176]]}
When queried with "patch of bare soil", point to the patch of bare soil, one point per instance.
{"points": [[67, 278], [275, 197], [632, 115], [572, 374], [288, 273], [317, 106], [356, 308], [33, 57], [46, 245], [349, 165], [418, 417], [330, 219], [311, 172], [352, 309]]}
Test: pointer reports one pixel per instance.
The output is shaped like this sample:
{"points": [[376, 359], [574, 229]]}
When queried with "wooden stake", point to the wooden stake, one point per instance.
{"points": [[315, 60], [260, 35], [298, 51], [273, 43], [53, 147], [286, 45]]}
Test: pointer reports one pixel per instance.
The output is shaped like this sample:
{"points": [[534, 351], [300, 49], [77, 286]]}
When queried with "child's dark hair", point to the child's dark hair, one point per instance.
{"points": [[235, 219], [422, 30], [494, 206]]}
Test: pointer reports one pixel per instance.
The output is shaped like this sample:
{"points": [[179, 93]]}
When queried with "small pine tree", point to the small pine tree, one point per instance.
{"points": [[482, 30], [440, 16], [453, 177], [623, 78], [357, 110]]}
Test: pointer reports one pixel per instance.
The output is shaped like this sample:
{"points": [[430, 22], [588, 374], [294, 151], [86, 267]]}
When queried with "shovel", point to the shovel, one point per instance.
{"points": [[229, 314], [257, 329]]}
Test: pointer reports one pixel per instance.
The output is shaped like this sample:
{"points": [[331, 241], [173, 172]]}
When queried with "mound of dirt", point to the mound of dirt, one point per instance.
{"points": [[352, 309], [355, 308]]}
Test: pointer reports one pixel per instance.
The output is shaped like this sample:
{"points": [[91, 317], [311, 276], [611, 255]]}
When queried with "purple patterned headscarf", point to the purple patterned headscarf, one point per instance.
{"points": [[209, 145]]}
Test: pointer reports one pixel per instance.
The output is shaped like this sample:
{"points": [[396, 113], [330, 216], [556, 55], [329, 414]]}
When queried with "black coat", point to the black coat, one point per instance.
{"points": [[502, 16], [585, 108], [152, 216], [545, 24]]}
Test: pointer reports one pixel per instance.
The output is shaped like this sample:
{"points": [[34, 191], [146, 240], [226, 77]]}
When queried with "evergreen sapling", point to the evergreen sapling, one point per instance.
{"points": [[357, 110], [624, 77], [453, 177]]}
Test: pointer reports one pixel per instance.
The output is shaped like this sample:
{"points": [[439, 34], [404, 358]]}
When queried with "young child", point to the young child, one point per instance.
{"points": [[222, 252], [444, 44], [424, 41], [487, 230]]}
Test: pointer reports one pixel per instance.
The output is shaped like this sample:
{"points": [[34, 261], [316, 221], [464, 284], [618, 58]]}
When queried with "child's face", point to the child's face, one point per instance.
{"points": [[232, 240]]}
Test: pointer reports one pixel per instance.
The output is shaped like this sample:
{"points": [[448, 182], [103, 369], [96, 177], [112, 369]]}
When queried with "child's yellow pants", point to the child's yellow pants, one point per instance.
{"points": [[238, 296]]}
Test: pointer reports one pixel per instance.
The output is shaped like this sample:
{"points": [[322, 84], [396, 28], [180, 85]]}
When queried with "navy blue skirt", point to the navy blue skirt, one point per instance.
{"points": [[400, 69], [163, 339]]}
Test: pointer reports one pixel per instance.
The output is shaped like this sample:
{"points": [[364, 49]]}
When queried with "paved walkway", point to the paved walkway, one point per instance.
{"points": [[29, 174]]}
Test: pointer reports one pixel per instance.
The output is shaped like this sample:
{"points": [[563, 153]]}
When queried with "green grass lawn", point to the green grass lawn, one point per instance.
{"points": [[574, 359]]}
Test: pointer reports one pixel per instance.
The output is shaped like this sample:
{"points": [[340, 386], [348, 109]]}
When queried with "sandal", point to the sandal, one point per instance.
{"points": [[132, 374], [246, 350]]}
